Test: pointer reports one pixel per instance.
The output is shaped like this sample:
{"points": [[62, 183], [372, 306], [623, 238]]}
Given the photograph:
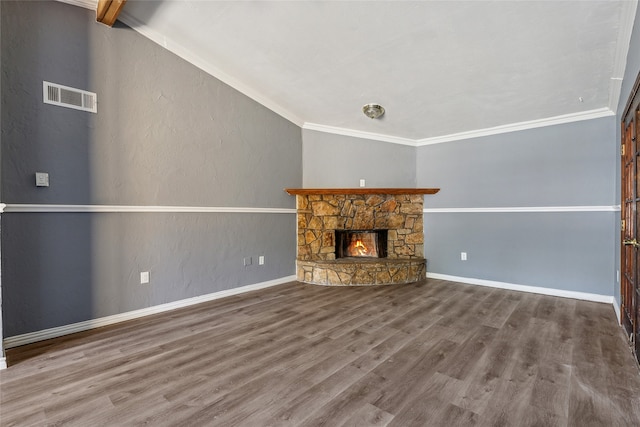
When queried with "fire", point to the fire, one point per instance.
{"points": [[361, 248], [362, 244], [358, 248]]}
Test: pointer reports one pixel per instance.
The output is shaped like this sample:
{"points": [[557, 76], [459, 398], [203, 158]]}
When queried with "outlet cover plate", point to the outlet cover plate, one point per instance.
{"points": [[144, 277], [42, 179]]}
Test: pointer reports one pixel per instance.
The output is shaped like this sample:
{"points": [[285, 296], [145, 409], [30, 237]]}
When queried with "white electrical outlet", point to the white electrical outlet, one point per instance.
{"points": [[362, 182], [42, 179], [463, 256], [261, 260], [247, 261], [144, 277]]}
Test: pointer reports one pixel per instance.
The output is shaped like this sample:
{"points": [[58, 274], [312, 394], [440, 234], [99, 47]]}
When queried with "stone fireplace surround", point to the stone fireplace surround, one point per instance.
{"points": [[320, 212]]}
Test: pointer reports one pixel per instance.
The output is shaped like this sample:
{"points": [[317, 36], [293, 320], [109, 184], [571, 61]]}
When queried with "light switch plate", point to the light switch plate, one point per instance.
{"points": [[42, 179]]}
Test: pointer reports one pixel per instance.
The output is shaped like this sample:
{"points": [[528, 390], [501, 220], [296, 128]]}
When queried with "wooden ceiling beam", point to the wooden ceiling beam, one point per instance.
{"points": [[108, 10]]}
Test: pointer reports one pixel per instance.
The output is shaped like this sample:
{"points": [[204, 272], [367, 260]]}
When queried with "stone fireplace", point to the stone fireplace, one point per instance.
{"points": [[361, 236]]}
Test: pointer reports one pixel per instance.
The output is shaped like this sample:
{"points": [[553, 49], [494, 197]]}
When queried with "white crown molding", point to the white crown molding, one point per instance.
{"points": [[359, 134], [524, 209], [585, 296], [12, 208], [208, 67], [628, 14], [514, 127], [59, 331], [87, 4]]}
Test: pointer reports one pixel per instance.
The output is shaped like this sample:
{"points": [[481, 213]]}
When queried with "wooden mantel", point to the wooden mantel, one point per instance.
{"points": [[359, 190]]}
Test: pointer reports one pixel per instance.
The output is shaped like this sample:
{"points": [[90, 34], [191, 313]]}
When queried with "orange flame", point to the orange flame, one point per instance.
{"points": [[361, 248]]}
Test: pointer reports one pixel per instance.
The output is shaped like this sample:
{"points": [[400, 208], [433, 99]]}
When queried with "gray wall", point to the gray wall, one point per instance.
{"points": [[564, 165], [337, 161], [631, 72], [166, 133]]}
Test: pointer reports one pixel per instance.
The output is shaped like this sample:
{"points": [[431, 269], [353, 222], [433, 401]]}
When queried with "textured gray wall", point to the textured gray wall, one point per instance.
{"points": [[630, 73], [166, 133], [337, 161], [569, 251], [71, 267], [564, 165]]}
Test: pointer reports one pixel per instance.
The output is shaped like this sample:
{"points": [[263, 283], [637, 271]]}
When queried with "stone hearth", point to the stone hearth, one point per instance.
{"points": [[321, 212]]}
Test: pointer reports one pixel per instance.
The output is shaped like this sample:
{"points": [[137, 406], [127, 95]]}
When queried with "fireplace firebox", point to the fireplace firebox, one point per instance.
{"points": [[361, 244]]}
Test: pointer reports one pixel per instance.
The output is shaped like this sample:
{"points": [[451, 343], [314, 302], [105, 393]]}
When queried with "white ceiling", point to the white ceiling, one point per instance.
{"points": [[439, 68]]}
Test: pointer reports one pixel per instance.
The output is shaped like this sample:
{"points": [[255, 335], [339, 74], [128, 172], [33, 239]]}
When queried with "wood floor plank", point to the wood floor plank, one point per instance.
{"points": [[368, 416], [429, 353]]}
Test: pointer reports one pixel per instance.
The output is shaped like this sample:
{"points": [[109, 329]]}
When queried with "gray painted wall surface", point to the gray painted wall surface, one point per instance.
{"points": [[75, 266], [337, 161], [569, 251], [630, 73], [165, 134], [564, 165]]}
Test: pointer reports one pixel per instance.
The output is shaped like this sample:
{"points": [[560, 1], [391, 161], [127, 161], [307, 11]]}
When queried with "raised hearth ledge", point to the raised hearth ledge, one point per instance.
{"points": [[362, 271], [359, 190]]}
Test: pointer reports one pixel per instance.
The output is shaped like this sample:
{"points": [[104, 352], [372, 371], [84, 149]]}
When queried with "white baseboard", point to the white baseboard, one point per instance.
{"points": [[524, 288], [616, 308], [3, 363], [59, 331]]}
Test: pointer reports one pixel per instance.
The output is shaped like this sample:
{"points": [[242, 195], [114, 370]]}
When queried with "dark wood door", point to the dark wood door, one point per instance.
{"points": [[630, 236]]}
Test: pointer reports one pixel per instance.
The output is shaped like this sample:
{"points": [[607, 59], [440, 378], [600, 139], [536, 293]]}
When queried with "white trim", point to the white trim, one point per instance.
{"points": [[628, 14], [525, 288], [616, 308], [59, 331], [208, 67], [359, 134], [3, 363], [10, 208], [615, 208], [34, 208], [87, 4], [513, 127]]}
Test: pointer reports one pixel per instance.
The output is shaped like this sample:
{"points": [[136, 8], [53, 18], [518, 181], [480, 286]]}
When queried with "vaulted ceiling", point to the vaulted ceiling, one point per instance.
{"points": [[441, 69]]}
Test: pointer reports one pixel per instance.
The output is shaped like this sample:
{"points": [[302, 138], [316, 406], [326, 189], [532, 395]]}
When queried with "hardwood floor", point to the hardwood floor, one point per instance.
{"points": [[434, 353]]}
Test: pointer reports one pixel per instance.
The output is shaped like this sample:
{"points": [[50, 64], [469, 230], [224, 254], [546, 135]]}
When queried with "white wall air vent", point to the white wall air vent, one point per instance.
{"points": [[69, 97]]}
